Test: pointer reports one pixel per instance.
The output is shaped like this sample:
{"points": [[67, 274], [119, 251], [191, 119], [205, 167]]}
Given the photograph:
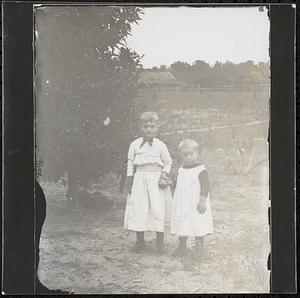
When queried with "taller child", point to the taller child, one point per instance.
{"points": [[149, 164]]}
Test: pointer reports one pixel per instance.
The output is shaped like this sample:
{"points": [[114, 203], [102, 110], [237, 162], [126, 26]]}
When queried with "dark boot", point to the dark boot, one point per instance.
{"points": [[140, 243], [199, 247], [181, 250], [160, 242]]}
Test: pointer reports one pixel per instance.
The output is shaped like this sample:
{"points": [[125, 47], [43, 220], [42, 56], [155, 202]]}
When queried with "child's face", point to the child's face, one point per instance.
{"points": [[149, 129], [189, 155]]}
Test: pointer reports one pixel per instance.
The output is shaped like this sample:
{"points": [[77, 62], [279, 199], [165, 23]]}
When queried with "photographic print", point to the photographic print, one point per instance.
{"points": [[151, 133]]}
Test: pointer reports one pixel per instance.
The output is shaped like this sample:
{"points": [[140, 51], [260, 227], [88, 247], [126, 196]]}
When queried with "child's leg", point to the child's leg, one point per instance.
{"points": [[140, 237], [140, 242], [182, 242], [199, 244], [159, 241], [181, 250]]}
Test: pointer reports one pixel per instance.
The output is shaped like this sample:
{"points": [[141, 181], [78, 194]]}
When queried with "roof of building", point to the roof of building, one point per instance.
{"points": [[157, 78]]}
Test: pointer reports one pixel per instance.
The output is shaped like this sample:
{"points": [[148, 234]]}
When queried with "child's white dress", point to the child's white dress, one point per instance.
{"points": [[186, 220], [147, 206]]}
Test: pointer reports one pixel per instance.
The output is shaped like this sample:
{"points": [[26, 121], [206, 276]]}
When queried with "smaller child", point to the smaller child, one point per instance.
{"points": [[191, 212]]}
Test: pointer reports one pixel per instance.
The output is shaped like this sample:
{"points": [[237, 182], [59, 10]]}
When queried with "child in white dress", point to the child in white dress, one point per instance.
{"points": [[149, 164], [191, 212]]}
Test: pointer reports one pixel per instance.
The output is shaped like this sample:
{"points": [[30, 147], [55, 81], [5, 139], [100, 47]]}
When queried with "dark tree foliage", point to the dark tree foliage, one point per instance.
{"points": [[201, 74], [86, 76]]}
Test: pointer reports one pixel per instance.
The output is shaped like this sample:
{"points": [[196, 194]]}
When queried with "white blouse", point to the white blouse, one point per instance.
{"points": [[157, 153]]}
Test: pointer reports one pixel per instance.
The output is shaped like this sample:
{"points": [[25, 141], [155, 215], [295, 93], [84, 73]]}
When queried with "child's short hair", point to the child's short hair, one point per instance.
{"points": [[148, 116], [188, 143]]}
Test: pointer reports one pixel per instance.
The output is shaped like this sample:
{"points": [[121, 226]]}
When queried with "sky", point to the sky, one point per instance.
{"points": [[166, 35]]}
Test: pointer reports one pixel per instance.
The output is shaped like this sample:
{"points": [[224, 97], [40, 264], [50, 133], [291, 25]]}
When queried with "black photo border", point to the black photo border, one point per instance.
{"points": [[18, 142]]}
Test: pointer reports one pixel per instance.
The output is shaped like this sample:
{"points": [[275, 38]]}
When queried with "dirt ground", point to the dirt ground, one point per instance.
{"points": [[87, 251]]}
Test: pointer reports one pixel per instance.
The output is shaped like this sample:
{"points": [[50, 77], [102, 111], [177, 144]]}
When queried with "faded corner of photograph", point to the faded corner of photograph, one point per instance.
{"points": [[152, 148]]}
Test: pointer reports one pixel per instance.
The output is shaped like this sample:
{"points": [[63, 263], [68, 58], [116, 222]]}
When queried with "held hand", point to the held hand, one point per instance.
{"points": [[163, 180], [129, 184], [201, 207], [164, 175]]}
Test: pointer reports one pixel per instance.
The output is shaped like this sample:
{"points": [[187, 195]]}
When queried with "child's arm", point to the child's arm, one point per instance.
{"points": [[130, 167], [204, 183], [173, 178], [166, 159]]}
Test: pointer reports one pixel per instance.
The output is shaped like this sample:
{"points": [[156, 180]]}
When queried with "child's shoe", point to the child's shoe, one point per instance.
{"points": [[160, 246], [138, 247], [198, 252], [180, 251], [160, 242]]}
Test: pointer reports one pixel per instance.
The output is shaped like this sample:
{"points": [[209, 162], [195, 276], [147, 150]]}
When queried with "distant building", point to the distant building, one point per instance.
{"points": [[157, 80], [156, 90]]}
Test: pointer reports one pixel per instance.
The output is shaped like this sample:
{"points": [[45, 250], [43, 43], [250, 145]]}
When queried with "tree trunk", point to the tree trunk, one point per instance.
{"points": [[83, 197]]}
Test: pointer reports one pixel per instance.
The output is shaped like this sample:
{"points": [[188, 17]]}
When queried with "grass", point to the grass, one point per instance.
{"points": [[89, 252]]}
